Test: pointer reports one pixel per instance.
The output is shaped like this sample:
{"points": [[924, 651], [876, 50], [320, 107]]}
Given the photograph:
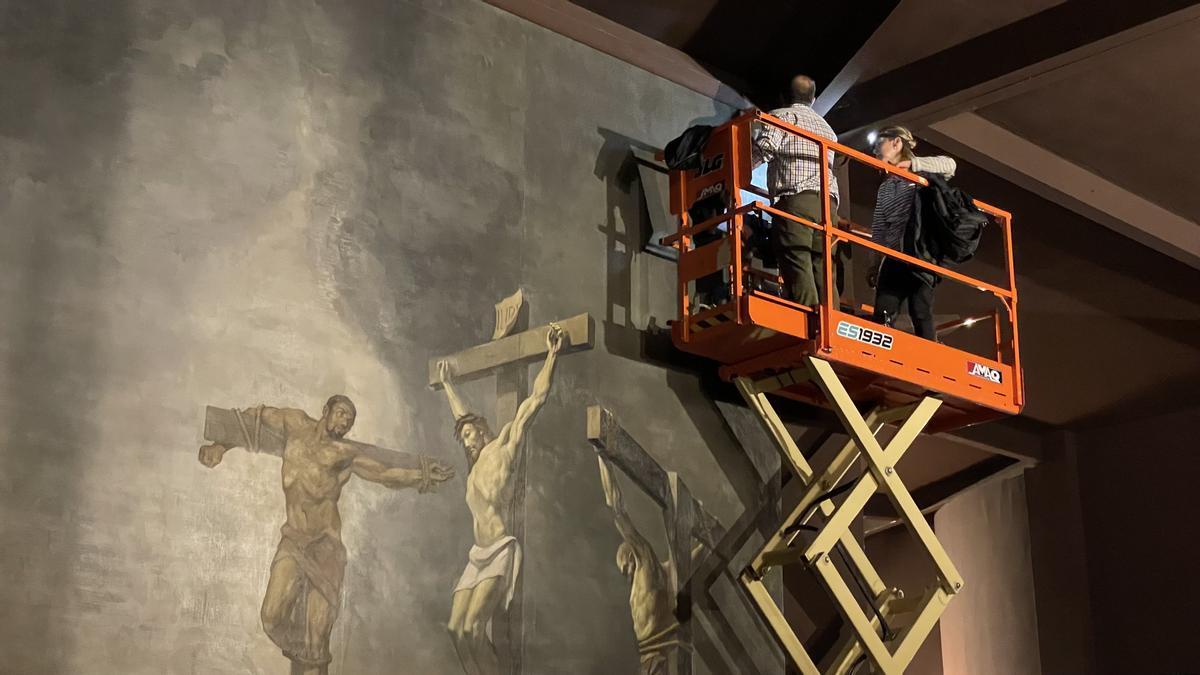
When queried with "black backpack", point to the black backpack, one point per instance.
{"points": [[685, 152], [951, 224]]}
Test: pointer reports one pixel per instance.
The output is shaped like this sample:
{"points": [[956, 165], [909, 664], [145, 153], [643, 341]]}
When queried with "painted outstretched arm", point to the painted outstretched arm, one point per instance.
{"points": [[260, 429], [513, 434], [457, 407], [423, 478], [612, 497]]}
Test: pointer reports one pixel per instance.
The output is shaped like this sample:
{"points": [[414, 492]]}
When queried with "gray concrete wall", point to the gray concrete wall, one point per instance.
{"points": [[230, 203]]}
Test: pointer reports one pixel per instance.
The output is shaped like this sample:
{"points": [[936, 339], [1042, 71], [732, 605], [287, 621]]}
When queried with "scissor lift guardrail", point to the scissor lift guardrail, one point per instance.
{"points": [[828, 356], [757, 332]]}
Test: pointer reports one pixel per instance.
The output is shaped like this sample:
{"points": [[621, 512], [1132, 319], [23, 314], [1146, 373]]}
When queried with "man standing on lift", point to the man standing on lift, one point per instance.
{"points": [[794, 181]]}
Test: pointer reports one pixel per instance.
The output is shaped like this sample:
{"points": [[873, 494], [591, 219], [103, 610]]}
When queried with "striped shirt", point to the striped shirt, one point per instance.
{"points": [[894, 201], [792, 160]]}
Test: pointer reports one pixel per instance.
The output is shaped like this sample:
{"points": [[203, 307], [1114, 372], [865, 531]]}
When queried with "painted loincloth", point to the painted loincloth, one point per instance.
{"points": [[500, 560], [655, 651], [321, 560]]}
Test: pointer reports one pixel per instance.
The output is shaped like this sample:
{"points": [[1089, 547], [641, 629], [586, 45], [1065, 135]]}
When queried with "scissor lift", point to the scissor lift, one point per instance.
{"points": [[831, 357]]}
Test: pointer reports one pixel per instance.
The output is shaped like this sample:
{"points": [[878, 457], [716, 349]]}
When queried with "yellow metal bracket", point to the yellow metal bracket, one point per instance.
{"points": [[889, 653]]}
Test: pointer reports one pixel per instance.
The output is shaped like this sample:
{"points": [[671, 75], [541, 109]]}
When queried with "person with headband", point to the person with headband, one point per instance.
{"points": [[896, 282]]}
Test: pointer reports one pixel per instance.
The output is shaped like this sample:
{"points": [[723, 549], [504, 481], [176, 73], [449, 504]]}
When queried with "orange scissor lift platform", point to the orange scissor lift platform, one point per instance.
{"points": [[757, 334]]}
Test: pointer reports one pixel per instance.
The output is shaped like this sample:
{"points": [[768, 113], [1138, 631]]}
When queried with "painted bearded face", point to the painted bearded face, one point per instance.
{"points": [[473, 440], [340, 418]]}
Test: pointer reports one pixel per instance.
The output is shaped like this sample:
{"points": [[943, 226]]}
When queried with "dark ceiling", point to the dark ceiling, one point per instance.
{"points": [[755, 47], [1108, 106], [1044, 35]]}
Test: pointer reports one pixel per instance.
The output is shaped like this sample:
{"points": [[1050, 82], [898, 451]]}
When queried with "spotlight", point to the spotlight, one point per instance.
{"points": [[872, 136], [970, 322]]}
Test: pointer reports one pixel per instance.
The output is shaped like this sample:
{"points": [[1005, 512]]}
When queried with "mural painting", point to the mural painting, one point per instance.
{"points": [[489, 581], [485, 621], [304, 588], [651, 603], [660, 593], [300, 190]]}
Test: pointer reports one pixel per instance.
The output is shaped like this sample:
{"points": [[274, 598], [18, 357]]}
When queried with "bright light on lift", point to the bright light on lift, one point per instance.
{"points": [[872, 136]]}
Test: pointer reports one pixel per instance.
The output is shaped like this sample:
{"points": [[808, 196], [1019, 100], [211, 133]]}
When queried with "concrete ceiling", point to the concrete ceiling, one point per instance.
{"points": [[919, 28], [905, 36], [756, 51], [1133, 120], [1104, 191]]}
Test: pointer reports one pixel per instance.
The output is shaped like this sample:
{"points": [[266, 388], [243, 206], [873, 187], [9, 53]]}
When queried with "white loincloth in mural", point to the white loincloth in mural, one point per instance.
{"points": [[501, 559]]}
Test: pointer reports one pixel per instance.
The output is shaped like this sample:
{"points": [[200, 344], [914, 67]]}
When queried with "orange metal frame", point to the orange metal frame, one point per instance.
{"points": [[756, 333]]}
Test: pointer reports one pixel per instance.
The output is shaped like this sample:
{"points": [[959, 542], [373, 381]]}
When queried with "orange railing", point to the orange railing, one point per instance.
{"points": [[738, 174]]}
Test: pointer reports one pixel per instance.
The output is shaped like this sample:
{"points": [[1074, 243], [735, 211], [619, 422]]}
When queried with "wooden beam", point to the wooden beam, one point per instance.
{"points": [[617, 446], [681, 517], [528, 346], [1030, 166], [970, 73], [605, 35]]}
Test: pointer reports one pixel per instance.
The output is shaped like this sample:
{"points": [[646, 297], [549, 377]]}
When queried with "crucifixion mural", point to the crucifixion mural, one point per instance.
{"points": [[485, 616], [660, 591], [304, 588]]}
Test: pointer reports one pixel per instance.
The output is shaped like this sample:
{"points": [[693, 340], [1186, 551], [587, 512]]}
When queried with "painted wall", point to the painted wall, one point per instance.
{"points": [[232, 203]]}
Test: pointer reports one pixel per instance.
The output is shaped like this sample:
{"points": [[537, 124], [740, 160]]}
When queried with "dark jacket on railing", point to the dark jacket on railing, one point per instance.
{"points": [[892, 223], [947, 224]]}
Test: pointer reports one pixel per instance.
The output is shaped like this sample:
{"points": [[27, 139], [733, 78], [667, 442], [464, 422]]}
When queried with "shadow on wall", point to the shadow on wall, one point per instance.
{"points": [[62, 122], [700, 404], [627, 228]]}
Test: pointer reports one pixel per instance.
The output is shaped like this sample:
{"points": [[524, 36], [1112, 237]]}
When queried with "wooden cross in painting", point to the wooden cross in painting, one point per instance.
{"points": [[486, 610], [660, 595]]}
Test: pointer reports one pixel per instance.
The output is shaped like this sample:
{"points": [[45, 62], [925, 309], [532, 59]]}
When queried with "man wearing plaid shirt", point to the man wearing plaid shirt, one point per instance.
{"points": [[794, 181]]}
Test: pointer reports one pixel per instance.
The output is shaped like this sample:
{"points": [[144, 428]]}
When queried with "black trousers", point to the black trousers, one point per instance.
{"points": [[897, 285]]}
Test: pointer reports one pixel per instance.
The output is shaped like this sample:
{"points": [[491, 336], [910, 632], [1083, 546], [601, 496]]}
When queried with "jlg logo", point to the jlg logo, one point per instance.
{"points": [[711, 164], [714, 189], [986, 372]]}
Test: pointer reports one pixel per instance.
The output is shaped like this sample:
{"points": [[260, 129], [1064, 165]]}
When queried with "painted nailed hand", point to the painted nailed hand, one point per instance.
{"points": [[444, 372], [555, 338]]}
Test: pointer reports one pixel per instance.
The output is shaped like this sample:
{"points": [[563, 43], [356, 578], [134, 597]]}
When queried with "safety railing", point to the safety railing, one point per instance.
{"points": [[737, 171]]}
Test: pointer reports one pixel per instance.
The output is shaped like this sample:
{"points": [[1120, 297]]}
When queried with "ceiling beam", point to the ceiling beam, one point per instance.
{"points": [[608, 36], [1004, 62], [1032, 167]]}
